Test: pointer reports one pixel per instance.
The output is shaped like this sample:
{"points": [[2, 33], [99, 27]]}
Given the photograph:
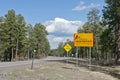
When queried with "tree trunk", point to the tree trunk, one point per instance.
{"points": [[96, 48], [28, 54], [12, 53], [118, 44], [117, 58], [108, 61], [16, 55]]}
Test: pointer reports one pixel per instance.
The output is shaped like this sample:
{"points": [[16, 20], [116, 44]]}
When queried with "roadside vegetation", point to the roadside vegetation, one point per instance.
{"points": [[57, 71], [106, 50], [19, 39]]}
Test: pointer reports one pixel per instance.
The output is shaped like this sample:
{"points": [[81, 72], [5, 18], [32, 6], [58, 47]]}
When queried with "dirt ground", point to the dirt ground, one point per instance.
{"points": [[56, 71]]}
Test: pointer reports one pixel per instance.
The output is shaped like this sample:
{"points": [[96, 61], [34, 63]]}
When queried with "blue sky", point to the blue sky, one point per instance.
{"points": [[61, 17]]}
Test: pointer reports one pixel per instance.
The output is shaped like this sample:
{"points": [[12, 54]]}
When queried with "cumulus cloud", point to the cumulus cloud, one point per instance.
{"points": [[61, 29], [55, 40], [60, 26], [82, 6]]}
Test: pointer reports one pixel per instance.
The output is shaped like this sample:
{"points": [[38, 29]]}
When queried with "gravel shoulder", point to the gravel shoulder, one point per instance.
{"points": [[56, 71]]}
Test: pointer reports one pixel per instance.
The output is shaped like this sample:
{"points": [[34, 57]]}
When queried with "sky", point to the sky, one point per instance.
{"points": [[61, 18]]}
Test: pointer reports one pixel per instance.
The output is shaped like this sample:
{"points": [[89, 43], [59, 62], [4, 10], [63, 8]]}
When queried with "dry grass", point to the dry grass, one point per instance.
{"points": [[57, 71]]}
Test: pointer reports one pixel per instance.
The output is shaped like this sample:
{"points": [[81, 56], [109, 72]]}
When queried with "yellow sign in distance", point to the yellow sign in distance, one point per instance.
{"points": [[84, 39], [67, 47]]}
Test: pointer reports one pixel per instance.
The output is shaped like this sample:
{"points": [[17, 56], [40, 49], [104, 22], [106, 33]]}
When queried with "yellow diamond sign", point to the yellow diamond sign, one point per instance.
{"points": [[67, 47]]}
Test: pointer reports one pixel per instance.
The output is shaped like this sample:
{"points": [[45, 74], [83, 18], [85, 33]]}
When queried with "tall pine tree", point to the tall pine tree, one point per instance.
{"points": [[111, 13]]}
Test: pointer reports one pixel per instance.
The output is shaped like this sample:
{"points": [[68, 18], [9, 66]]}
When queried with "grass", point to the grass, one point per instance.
{"points": [[57, 71]]}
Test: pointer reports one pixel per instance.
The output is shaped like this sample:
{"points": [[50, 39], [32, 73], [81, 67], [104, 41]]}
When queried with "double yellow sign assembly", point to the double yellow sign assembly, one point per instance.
{"points": [[67, 47], [84, 39]]}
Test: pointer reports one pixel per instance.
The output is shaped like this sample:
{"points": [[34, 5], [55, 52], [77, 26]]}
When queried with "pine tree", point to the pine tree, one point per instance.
{"points": [[10, 32], [41, 42], [111, 13]]}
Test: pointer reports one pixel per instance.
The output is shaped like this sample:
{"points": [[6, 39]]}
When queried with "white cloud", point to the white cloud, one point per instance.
{"points": [[58, 39], [55, 40], [79, 8], [82, 6], [92, 5], [60, 26], [61, 29], [51, 28], [81, 2]]}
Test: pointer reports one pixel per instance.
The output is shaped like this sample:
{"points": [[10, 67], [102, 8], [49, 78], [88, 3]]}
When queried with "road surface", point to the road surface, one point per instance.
{"points": [[49, 66], [8, 66]]}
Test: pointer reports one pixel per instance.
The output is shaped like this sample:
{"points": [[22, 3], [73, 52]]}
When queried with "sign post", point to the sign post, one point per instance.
{"points": [[33, 59], [76, 56], [67, 47], [90, 59], [84, 40]]}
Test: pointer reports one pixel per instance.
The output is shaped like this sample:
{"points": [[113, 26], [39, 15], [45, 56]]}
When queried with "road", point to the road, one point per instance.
{"points": [[49, 66], [8, 66]]}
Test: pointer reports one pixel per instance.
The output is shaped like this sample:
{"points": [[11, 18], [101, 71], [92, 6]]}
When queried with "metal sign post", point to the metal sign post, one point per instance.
{"points": [[76, 56], [67, 57], [33, 59], [84, 40], [90, 59], [67, 47], [32, 62]]}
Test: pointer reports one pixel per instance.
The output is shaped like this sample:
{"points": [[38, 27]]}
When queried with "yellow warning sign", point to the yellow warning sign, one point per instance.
{"points": [[67, 47], [84, 39]]}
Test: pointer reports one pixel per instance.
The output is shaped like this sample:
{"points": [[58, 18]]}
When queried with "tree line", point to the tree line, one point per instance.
{"points": [[18, 39], [106, 35]]}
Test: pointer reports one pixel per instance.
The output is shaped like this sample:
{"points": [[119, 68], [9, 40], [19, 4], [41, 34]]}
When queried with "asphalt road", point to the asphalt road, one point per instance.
{"points": [[82, 73], [9, 66]]}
